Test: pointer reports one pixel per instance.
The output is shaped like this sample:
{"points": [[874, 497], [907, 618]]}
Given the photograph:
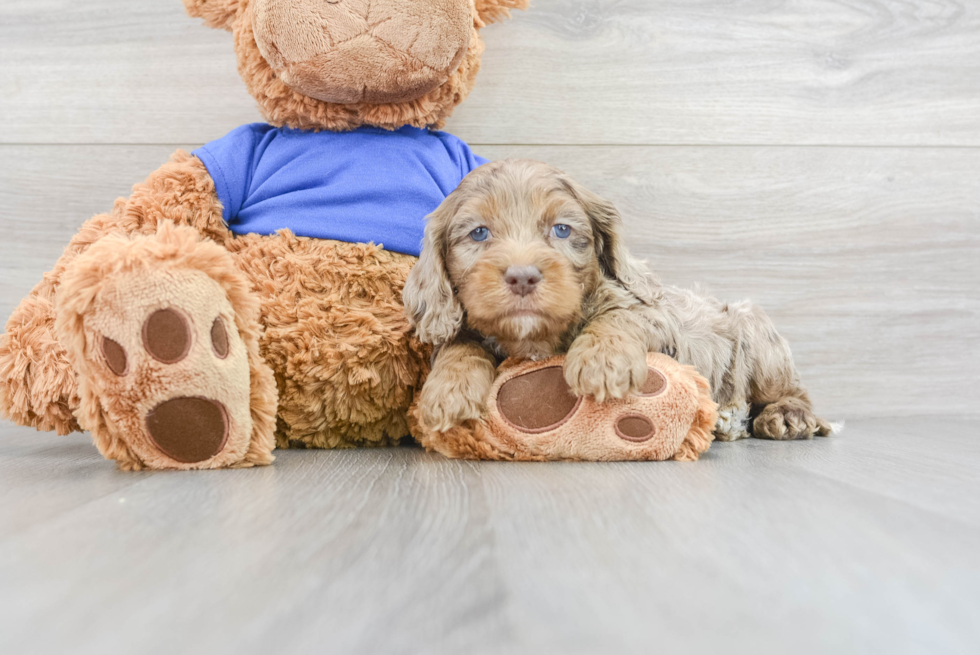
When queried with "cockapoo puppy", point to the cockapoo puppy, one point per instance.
{"points": [[522, 261]]}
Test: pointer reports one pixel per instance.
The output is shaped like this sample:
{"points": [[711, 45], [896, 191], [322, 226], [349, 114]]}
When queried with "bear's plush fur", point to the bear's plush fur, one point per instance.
{"points": [[272, 339]]}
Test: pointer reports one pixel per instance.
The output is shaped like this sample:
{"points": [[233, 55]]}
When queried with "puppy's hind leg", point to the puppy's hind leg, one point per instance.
{"points": [[786, 410], [790, 417], [734, 420]]}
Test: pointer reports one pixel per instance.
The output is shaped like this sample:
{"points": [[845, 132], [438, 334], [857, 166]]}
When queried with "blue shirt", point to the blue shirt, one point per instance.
{"points": [[367, 185]]}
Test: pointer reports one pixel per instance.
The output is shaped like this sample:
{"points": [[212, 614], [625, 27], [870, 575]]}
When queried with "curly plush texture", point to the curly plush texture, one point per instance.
{"points": [[490, 11], [335, 332], [218, 14]]}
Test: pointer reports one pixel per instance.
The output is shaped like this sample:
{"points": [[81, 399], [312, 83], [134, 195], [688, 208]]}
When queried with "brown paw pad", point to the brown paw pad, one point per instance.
{"points": [[655, 383], [167, 336], [115, 356], [219, 338], [538, 401], [188, 430], [635, 428]]}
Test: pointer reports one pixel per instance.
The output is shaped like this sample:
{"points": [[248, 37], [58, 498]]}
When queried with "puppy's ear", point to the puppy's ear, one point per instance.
{"points": [[494, 10], [430, 302], [615, 259], [219, 14]]}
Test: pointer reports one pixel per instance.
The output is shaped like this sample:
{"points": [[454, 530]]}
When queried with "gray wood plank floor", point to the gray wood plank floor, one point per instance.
{"points": [[819, 157], [865, 542]]}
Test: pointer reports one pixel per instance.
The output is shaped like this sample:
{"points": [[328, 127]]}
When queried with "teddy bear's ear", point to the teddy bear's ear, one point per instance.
{"points": [[218, 14], [494, 10]]}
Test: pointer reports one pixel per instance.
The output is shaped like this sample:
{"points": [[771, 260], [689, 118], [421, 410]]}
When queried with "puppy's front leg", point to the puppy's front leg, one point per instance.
{"points": [[609, 358], [458, 386]]}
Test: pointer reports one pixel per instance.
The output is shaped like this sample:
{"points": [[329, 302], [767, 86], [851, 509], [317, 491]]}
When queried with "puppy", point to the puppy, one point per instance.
{"points": [[522, 261]]}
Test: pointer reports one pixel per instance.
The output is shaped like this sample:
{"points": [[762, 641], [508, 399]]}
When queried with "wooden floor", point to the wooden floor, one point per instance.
{"points": [[860, 543], [819, 157]]}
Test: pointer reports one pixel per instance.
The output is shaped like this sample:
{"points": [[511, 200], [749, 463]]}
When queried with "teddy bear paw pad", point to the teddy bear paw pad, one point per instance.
{"points": [[635, 428], [188, 430], [538, 401], [173, 375]]}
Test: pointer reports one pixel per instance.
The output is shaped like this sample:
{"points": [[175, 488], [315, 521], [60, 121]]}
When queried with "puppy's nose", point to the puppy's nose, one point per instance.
{"points": [[522, 280]]}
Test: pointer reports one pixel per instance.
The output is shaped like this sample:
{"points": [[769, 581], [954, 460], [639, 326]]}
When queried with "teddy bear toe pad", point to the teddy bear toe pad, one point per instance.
{"points": [[635, 428], [167, 335], [655, 384]]}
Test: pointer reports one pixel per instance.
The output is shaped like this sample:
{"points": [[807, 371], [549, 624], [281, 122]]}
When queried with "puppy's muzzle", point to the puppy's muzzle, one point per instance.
{"points": [[522, 280]]}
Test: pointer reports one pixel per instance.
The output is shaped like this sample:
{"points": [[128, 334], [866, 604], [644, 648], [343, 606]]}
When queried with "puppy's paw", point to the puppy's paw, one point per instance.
{"points": [[733, 422], [610, 368], [445, 409], [789, 418]]}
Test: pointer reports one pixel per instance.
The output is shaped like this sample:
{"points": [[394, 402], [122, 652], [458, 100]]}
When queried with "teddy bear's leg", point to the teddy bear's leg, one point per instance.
{"points": [[38, 386], [163, 331], [346, 361], [532, 414]]}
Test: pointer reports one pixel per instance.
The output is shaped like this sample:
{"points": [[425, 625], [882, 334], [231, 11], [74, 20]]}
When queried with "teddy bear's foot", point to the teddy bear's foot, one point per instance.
{"points": [[167, 362], [38, 387], [533, 415]]}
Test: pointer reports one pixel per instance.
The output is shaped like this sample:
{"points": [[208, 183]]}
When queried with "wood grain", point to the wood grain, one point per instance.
{"points": [[873, 72], [805, 547], [868, 259], [819, 157]]}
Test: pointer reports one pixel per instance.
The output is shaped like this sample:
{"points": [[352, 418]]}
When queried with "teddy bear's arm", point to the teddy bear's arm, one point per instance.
{"points": [[37, 385]]}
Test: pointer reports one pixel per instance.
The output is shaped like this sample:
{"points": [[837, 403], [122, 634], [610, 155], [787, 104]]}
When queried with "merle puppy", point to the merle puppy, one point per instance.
{"points": [[522, 261]]}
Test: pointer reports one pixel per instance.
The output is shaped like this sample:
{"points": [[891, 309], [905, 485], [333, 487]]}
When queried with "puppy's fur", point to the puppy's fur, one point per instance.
{"points": [[593, 300]]}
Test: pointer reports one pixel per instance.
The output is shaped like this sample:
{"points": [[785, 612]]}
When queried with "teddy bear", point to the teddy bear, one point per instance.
{"points": [[247, 295]]}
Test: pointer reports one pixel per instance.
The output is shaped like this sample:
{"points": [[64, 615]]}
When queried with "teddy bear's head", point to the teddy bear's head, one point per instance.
{"points": [[341, 64]]}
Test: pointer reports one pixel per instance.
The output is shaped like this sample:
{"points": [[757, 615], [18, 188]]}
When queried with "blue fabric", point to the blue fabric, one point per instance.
{"points": [[368, 185]]}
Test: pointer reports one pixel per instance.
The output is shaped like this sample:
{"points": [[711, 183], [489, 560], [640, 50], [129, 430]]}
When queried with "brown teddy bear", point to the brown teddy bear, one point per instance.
{"points": [[236, 300]]}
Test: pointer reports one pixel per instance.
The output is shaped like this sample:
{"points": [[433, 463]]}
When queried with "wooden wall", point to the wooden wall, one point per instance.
{"points": [[819, 157]]}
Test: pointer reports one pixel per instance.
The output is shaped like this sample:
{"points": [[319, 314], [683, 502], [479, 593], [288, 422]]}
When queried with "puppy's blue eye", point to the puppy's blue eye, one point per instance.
{"points": [[480, 234], [562, 231]]}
